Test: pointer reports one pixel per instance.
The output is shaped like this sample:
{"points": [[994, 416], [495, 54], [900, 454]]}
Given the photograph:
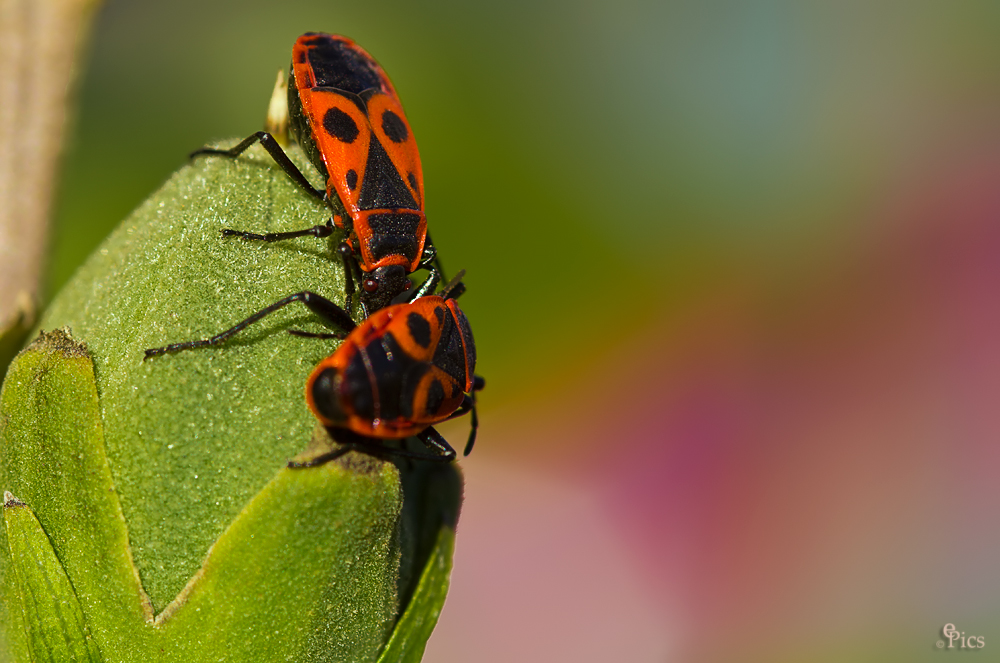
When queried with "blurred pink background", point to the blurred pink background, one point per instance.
{"points": [[799, 468], [799, 461]]}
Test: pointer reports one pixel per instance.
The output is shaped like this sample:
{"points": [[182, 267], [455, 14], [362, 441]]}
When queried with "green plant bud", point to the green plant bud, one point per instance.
{"points": [[149, 511]]}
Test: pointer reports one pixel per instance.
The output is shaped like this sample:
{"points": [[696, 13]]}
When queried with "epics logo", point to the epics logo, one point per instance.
{"points": [[955, 637]]}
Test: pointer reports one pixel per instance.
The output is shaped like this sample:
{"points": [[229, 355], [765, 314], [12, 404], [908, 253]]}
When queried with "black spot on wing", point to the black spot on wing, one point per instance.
{"points": [[419, 329], [398, 377], [394, 127], [412, 377], [449, 355], [388, 364], [357, 388], [326, 397], [435, 397], [340, 125], [383, 188], [352, 179]]}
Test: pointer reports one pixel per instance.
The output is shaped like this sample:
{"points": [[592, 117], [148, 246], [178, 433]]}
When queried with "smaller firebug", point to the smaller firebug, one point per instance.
{"points": [[405, 368]]}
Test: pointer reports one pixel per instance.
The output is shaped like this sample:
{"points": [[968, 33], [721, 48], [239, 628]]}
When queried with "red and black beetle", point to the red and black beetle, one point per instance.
{"points": [[345, 113], [405, 368]]}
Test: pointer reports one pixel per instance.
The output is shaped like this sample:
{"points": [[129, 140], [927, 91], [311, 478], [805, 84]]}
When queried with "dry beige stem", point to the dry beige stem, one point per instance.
{"points": [[276, 123], [39, 48]]}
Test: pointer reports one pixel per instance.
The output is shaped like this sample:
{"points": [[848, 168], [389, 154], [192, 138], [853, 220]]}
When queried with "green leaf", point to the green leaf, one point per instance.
{"points": [[53, 460], [415, 626], [55, 628], [206, 428], [277, 582], [162, 484]]}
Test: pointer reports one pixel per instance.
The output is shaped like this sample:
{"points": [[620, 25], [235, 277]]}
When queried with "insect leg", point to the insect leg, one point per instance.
{"points": [[469, 405], [318, 304], [350, 266], [306, 334], [455, 287], [351, 441], [268, 142], [324, 230], [433, 440], [472, 431], [322, 458], [430, 258], [429, 284], [425, 288]]}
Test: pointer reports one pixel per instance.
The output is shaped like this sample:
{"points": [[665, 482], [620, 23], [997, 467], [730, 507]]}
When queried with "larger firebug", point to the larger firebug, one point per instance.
{"points": [[344, 112]]}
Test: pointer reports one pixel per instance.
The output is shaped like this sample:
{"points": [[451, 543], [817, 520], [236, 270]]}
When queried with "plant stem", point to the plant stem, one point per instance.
{"points": [[40, 44]]}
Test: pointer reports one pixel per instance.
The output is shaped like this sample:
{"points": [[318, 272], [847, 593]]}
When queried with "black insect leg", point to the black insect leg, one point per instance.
{"points": [[430, 258], [351, 441], [306, 334], [324, 230], [474, 429], [321, 306], [348, 441], [430, 261], [425, 288], [430, 437], [429, 284], [268, 142], [469, 405], [346, 254], [322, 458], [455, 287], [272, 147]]}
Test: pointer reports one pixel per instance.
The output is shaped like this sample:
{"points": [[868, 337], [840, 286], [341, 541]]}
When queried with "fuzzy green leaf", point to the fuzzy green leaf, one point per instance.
{"points": [[55, 627], [53, 460], [167, 499], [415, 626], [208, 429]]}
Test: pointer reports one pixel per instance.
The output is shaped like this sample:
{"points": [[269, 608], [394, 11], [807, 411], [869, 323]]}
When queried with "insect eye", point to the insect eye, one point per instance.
{"points": [[370, 285]]}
